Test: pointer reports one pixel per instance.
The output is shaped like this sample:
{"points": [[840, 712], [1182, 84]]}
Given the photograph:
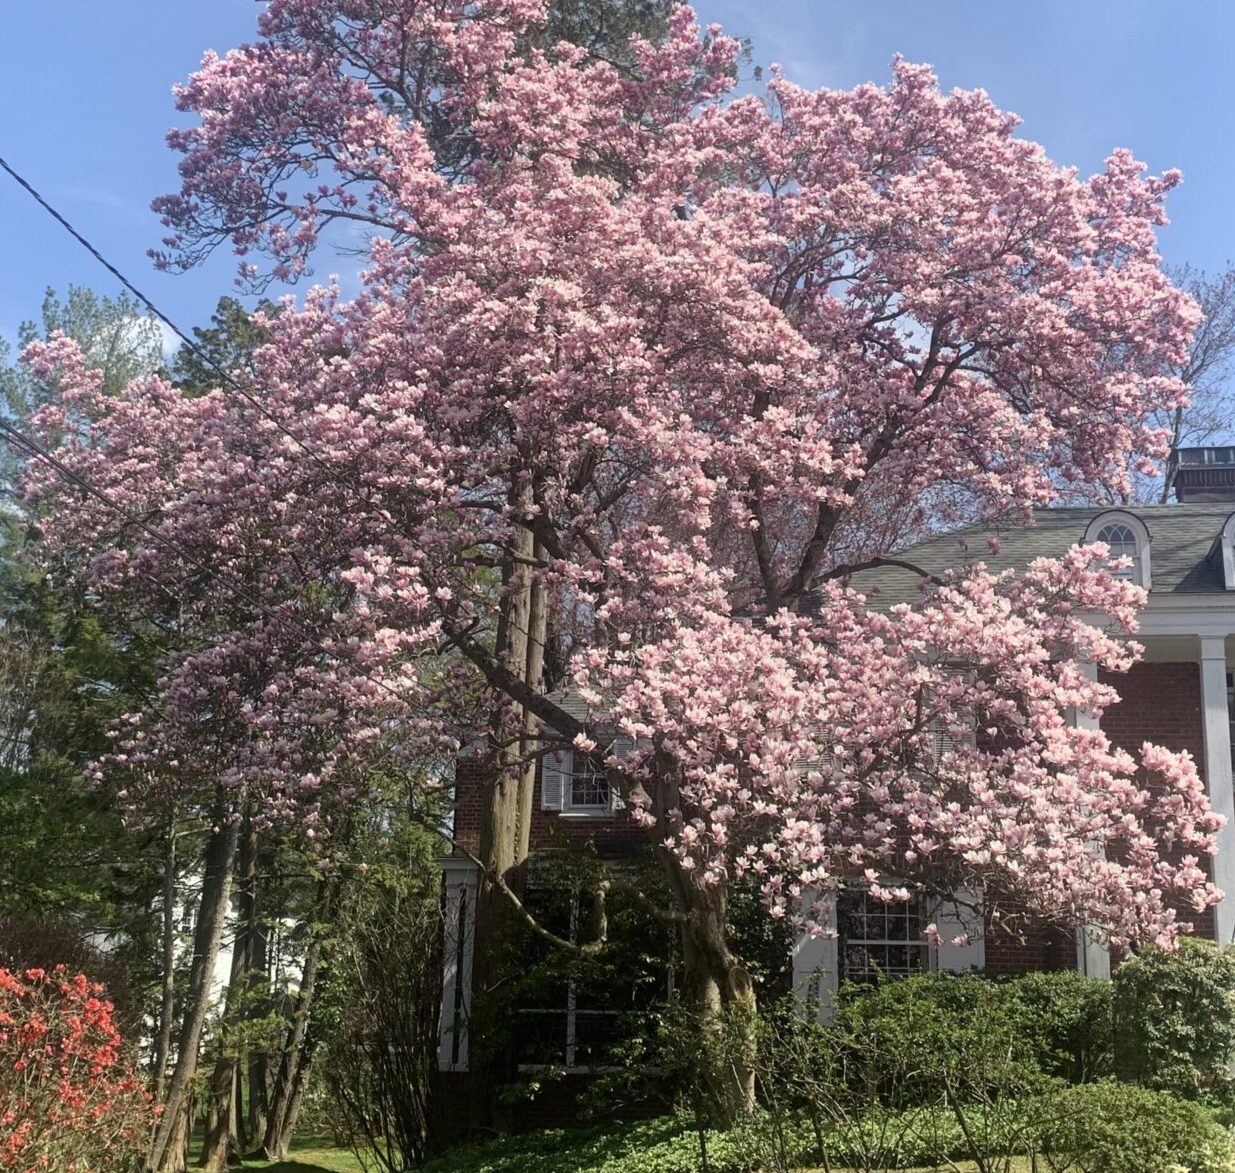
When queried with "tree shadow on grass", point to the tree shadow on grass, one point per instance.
{"points": [[297, 1167]]}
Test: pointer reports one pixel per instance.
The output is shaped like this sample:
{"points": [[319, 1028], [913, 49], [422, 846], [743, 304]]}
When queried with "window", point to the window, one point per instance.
{"points": [[951, 731], [878, 940], [589, 787], [1228, 553], [571, 1012], [1122, 542], [1126, 536], [571, 782]]}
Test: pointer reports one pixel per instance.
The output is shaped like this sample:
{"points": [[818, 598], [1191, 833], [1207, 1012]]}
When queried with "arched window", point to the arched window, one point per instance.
{"points": [[1122, 542], [1228, 553], [1126, 537]]}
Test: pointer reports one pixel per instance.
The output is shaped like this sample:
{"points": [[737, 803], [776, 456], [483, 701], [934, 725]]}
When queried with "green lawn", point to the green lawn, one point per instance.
{"points": [[311, 1156]]}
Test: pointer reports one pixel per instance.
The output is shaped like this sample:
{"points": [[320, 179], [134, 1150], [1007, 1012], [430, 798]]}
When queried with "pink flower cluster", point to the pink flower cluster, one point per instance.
{"points": [[720, 348]]}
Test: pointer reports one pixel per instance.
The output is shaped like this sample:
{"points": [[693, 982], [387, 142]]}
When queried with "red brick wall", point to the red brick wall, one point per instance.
{"points": [[614, 836], [1027, 947], [1160, 703]]}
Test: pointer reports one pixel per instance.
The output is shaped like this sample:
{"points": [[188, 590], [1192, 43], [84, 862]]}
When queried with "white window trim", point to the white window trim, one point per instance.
{"points": [[461, 881], [817, 961], [915, 911], [943, 734], [1141, 569]]}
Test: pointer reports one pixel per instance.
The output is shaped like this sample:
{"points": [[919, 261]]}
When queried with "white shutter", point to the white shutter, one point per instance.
{"points": [[816, 961], [555, 770], [961, 917]]}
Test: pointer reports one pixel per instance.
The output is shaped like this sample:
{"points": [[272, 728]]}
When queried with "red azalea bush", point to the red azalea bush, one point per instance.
{"points": [[70, 1102]]}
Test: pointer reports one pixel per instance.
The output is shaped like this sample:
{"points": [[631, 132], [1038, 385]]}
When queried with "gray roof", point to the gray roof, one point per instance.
{"points": [[1182, 542]]}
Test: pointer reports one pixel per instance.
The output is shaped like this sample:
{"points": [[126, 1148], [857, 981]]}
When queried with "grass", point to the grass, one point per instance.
{"points": [[309, 1156]]}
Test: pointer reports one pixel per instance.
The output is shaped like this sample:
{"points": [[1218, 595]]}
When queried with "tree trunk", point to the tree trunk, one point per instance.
{"points": [[292, 1112], [176, 1159], [167, 1004], [164, 1156], [506, 818], [533, 674], [281, 1118], [258, 1006], [1168, 476], [222, 1133], [718, 992]]}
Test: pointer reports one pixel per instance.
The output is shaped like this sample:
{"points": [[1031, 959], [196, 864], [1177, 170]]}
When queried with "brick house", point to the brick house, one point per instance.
{"points": [[1179, 696]]}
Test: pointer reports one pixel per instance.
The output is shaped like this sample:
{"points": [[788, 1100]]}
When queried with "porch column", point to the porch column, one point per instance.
{"points": [[1093, 959], [1217, 729]]}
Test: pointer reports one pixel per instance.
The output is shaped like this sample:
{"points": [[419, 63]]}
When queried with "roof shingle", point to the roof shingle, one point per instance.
{"points": [[1181, 537]]}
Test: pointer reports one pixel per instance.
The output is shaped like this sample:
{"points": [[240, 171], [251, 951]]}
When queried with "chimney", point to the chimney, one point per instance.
{"points": [[1204, 474]]}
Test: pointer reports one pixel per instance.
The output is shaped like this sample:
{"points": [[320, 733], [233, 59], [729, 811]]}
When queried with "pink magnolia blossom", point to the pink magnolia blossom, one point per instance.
{"points": [[727, 347]]}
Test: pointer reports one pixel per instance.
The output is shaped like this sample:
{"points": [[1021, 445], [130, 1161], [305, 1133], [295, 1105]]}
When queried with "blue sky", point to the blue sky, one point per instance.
{"points": [[85, 100]]}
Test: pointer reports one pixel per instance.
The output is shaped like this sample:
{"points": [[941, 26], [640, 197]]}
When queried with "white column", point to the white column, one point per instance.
{"points": [[1217, 727], [816, 966], [461, 881], [1093, 959]]}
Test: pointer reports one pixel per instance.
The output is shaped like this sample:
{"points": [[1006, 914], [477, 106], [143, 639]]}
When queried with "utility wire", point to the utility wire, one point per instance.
{"points": [[227, 378], [190, 343], [229, 381]]}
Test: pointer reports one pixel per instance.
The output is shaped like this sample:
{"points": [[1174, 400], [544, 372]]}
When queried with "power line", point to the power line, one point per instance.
{"points": [[227, 378], [193, 347], [365, 503]]}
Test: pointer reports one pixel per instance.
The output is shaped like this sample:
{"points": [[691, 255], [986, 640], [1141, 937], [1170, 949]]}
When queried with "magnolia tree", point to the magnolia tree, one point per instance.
{"points": [[637, 370]]}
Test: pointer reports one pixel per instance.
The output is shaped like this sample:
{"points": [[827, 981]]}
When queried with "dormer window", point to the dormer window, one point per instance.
{"points": [[1127, 538], [1122, 542], [1228, 553]]}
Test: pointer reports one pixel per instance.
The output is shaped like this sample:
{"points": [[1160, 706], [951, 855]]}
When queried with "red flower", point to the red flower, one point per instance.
{"points": [[71, 1102]]}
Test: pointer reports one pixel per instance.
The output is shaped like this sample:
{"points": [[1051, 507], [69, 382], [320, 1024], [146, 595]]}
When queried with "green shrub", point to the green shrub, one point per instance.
{"points": [[1175, 1020], [1065, 1023], [1120, 1128], [666, 1145], [938, 1036]]}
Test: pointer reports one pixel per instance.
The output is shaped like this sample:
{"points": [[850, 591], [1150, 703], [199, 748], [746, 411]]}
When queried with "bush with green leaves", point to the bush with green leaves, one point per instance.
{"points": [[1064, 1021], [935, 1036], [1120, 1128], [1175, 1020]]}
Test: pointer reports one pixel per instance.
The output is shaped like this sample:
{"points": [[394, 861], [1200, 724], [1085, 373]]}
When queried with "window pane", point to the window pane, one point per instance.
{"points": [[1122, 542], [588, 786], [540, 1037], [596, 1033], [880, 940]]}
